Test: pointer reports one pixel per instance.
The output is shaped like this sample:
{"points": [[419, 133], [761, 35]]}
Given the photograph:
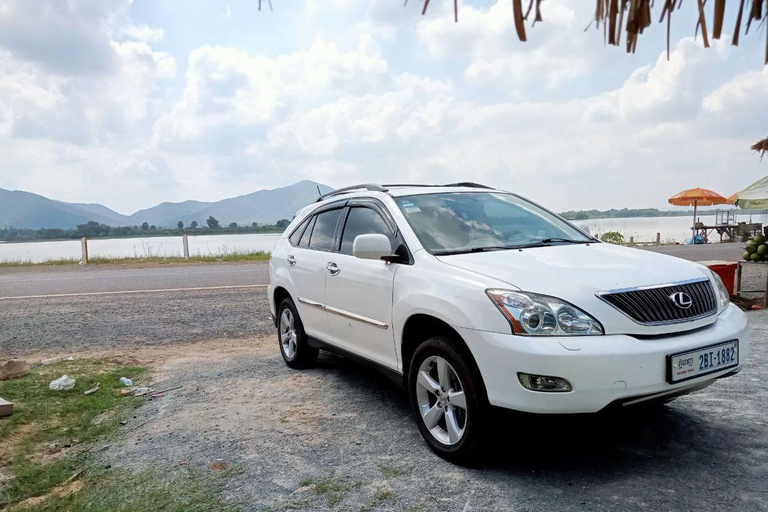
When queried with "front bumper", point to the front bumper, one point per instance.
{"points": [[602, 369]]}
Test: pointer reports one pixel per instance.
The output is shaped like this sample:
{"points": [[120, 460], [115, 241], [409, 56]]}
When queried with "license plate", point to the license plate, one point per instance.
{"points": [[702, 361]]}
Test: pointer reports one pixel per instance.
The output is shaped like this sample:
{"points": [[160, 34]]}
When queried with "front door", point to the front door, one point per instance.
{"points": [[359, 293]]}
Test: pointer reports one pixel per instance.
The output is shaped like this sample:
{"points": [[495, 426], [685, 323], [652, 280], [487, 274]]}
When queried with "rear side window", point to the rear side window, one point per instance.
{"points": [[304, 242], [324, 230], [363, 221], [296, 236]]}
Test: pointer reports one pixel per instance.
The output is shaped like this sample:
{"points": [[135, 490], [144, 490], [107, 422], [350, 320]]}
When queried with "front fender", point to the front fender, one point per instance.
{"points": [[456, 297]]}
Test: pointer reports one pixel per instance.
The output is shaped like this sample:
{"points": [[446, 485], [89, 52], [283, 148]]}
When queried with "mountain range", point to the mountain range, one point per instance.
{"points": [[25, 210]]}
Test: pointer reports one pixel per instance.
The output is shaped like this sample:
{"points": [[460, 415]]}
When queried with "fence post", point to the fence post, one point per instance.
{"points": [[658, 238], [186, 246], [84, 250]]}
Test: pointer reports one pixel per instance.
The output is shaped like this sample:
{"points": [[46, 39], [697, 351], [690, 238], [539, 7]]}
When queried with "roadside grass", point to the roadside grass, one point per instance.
{"points": [[40, 442], [228, 256], [47, 445], [189, 491]]}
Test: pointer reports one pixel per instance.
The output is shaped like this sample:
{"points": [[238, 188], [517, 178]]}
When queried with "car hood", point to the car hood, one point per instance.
{"points": [[572, 271]]}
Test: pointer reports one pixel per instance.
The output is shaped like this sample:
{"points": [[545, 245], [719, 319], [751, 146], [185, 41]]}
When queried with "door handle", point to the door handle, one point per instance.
{"points": [[333, 268], [292, 260]]}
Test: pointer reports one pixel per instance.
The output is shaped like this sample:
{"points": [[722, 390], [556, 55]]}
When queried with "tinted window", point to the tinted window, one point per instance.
{"points": [[324, 229], [296, 236], [304, 242], [362, 221]]}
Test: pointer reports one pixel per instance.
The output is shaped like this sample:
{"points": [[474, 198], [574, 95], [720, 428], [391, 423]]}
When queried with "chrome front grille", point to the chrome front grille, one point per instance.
{"points": [[655, 305]]}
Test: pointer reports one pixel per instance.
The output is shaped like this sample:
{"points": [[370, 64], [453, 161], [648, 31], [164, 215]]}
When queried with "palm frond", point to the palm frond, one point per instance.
{"points": [[761, 147], [634, 16]]}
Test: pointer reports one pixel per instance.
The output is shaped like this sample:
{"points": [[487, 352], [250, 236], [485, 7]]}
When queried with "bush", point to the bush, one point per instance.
{"points": [[612, 237]]}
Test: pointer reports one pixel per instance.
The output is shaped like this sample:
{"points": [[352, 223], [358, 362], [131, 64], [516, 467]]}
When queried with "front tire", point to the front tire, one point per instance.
{"points": [[448, 400], [292, 339]]}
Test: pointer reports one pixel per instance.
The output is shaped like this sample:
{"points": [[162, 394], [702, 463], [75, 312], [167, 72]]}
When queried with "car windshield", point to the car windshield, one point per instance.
{"points": [[461, 222]]}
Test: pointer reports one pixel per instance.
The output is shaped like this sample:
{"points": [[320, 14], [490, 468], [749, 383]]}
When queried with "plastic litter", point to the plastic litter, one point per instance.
{"points": [[141, 391], [63, 383], [126, 381]]}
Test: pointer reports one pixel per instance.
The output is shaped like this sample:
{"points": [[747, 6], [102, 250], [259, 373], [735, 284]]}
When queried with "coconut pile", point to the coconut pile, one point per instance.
{"points": [[756, 249]]}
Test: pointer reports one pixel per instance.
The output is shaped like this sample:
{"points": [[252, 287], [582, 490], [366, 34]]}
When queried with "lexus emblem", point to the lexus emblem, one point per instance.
{"points": [[681, 299]]}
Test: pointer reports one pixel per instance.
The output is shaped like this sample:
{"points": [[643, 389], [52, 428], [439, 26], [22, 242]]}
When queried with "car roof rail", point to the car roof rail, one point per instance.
{"points": [[398, 185], [365, 186], [467, 184]]}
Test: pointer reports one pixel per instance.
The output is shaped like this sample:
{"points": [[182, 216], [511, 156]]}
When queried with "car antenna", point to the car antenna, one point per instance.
{"points": [[318, 191]]}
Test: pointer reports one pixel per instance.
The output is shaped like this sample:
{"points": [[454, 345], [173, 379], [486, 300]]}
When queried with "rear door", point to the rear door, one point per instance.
{"points": [[308, 260], [359, 292]]}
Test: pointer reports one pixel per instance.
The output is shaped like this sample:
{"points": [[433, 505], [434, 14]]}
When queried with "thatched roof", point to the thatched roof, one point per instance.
{"points": [[761, 147], [633, 16]]}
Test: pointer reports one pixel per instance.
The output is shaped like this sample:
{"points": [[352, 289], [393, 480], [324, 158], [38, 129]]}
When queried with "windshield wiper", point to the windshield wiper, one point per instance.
{"points": [[474, 249], [564, 240]]}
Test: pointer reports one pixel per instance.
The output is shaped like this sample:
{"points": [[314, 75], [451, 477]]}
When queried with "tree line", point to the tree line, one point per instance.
{"points": [[94, 229], [624, 213]]}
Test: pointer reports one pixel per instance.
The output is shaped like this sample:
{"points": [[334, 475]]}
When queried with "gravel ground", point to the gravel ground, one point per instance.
{"points": [[68, 325], [341, 427]]}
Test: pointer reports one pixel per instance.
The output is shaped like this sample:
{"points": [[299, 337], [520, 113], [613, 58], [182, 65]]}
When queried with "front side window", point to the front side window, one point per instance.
{"points": [[324, 230], [363, 221], [461, 222]]}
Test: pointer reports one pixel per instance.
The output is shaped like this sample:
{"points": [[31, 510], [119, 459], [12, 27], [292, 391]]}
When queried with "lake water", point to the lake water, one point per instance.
{"points": [[643, 229], [672, 229], [138, 247]]}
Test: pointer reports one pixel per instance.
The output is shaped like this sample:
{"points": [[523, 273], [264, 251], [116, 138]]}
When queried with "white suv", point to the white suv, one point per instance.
{"points": [[474, 298]]}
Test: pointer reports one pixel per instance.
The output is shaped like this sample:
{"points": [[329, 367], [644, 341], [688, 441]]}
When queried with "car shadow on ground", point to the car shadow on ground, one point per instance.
{"points": [[677, 440]]}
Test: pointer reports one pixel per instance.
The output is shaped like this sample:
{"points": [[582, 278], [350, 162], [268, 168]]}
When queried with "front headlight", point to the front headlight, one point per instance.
{"points": [[532, 314], [723, 298]]}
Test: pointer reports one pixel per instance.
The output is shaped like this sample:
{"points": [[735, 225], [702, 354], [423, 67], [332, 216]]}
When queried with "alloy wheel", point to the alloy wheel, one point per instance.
{"points": [[288, 336], [441, 400]]}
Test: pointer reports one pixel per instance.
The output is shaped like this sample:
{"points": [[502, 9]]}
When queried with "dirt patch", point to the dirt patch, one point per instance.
{"points": [[59, 492], [8, 444]]}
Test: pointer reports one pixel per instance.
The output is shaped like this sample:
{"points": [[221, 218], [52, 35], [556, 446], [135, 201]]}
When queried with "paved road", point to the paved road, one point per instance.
{"points": [[50, 311], [46, 281], [704, 252]]}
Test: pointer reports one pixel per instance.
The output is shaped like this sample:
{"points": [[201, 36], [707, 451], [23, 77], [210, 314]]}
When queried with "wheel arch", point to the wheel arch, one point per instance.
{"points": [[419, 328], [279, 295]]}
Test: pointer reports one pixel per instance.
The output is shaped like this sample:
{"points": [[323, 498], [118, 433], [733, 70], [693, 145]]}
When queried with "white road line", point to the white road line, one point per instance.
{"points": [[126, 292]]}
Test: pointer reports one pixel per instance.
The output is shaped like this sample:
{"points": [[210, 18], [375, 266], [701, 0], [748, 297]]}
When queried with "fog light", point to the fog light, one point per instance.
{"points": [[544, 383]]}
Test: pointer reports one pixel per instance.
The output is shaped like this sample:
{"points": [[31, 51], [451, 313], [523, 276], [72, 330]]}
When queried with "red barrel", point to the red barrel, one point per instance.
{"points": [[726, 270]]}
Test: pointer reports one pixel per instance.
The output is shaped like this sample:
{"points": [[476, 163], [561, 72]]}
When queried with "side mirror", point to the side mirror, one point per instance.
{"points": [[371, 247]]}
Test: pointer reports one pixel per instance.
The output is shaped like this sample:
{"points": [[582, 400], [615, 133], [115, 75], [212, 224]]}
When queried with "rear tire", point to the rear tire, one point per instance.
{"points": [[448, 400], [292, 339]]}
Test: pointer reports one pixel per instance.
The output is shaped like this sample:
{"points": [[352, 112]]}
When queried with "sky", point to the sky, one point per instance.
{"points": [[132, 103]]}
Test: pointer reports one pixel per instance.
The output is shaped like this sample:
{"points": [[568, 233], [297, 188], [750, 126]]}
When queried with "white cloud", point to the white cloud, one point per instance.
{"points": [[144, 33], [486, 39], [230, 89]]}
